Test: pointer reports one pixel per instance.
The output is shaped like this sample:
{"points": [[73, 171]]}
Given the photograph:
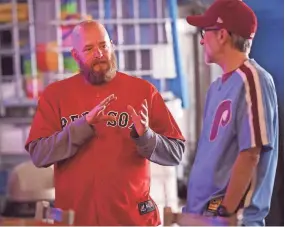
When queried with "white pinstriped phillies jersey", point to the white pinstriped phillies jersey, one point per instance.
{"points": [[240, 113]]}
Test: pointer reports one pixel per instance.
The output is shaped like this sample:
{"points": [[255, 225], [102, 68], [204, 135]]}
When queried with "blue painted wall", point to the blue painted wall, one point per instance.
{"points": [[268, 50]]}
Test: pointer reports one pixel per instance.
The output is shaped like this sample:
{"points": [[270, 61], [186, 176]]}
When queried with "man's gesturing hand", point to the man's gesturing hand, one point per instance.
{"points": [[97, 113], [140, 120]]}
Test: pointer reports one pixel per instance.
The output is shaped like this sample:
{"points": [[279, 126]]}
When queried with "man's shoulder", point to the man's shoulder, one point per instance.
{"points": [[256, 78], [251, 70], [61, 85]]}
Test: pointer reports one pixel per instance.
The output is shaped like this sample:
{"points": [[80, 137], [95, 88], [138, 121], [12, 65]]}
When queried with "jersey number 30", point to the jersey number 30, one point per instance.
{"points": [[122, 119]]}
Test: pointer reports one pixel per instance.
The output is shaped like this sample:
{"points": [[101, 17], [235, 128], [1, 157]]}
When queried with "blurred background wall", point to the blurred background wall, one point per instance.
{"points": [[268, 50]]}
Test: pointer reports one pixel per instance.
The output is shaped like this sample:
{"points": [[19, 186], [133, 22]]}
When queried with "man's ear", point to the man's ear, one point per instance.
{"points": [[223, 35], [74, 54]]}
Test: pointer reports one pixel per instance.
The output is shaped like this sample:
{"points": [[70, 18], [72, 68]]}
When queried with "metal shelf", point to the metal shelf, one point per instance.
{"points": [[118, 21], [6, 26], [16, 120], [11, 51], [20, 102], [121, 48]]}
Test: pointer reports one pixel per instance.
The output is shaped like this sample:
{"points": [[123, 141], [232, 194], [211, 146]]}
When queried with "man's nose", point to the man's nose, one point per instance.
{"points": [[98, 53]]}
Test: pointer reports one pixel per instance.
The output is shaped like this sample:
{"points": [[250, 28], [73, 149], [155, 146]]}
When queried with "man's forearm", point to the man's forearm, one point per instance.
{"points": [[160, 149], [61, 145], [241, 177]]}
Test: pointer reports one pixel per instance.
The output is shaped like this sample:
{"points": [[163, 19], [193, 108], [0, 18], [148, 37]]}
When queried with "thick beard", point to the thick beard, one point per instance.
{"points": [[101, 77]]}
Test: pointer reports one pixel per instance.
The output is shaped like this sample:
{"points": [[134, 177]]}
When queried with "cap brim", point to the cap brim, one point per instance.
{"points": [[199, 21]]}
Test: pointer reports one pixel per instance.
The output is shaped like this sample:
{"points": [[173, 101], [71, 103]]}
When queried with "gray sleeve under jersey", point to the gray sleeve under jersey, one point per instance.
{"points": [[159, 149], [64, 144], [61, 145]]}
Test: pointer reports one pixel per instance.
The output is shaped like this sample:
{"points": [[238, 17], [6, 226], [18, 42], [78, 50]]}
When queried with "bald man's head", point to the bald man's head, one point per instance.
{"points": [[93, 51], [89, 26]]}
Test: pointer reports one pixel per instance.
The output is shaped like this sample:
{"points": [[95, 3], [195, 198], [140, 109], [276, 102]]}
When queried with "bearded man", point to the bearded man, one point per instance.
{"points": [[100, 129]]}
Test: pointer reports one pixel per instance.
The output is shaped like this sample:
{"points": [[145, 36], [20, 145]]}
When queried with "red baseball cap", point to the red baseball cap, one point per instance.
{"points": [[232, 15]]}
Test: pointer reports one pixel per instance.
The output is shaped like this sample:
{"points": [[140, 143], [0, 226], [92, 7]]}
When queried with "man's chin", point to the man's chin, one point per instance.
{"points": [[100, 78], [96, 79]]}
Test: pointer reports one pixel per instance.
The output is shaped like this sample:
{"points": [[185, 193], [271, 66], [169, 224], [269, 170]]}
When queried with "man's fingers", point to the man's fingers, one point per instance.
{"points": [[100, 110], [143, 122], [145, 103], [107, 100], [132, 111], [111, 100], [144, 116], [145, 110]]}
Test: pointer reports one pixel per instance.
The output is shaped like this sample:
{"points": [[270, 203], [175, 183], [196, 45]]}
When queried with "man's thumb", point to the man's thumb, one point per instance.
{"points": [[108, 118], [131, 110]]}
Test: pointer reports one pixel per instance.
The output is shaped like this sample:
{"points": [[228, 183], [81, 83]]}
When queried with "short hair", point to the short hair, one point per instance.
{"points": [[241, 44]]}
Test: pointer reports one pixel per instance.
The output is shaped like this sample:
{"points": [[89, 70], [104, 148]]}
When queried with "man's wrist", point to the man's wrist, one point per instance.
{"points": [[88, 122], [144, 139]]}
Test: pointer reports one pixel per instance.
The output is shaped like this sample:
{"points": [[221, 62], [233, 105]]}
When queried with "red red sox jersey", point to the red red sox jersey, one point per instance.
{"points": [[106, 181]]}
